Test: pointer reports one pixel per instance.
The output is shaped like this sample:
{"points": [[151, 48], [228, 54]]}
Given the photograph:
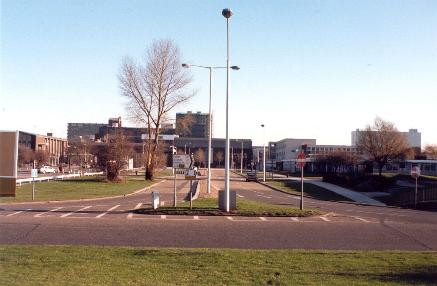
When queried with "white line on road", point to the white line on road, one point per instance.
{"points": [[163, 216], [53, 210], [324, 218], [105, 213], [295, 219], [262, 218], [130, 215], [196, 217], [361, 219], [240, 196], [264, 196], [162, 203], [15, 213], [230, 218], [79, 210]]}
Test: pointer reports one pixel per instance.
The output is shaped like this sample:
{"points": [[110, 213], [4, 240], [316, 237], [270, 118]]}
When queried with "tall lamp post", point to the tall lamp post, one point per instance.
{"points": [[264, 152], [227, 13], [241, 158], [211, 68]]}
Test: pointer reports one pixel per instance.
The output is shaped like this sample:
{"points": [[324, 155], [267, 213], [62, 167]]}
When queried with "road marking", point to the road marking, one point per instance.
{"points": [[53, 210], [15, 213], [196, 217], [105, 213], [79, 210], [262, 218], [240, 196], [162, 203], [295, 219], [163, 216], [264, 196], [361, 219], [324, 218], [130, 215], [230, 218]]}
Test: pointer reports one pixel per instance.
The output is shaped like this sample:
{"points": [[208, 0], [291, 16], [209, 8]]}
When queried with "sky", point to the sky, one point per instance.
{"points": [[309, 69]]}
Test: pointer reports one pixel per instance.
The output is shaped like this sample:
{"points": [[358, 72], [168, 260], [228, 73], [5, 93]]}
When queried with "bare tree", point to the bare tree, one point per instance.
{"points": [[153, 89], [183, 125], [219, 156], [25, 155], [382, 142], [199, 157], [431, 151], [41, 157]]}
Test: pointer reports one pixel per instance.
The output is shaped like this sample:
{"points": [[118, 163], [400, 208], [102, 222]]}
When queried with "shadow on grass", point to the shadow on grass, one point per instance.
{"points": [[423, 275]]}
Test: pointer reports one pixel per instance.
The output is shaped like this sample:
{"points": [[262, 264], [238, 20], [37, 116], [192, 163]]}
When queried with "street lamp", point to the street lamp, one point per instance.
{"points": [[227, 13], [241, 162], [264, 153], [211, 68]]}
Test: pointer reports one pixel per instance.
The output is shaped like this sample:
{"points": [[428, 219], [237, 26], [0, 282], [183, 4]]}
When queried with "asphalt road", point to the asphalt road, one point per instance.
{"points": [[112, 222]]}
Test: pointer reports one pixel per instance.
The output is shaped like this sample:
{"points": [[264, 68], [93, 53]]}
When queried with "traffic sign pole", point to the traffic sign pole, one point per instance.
{"points": [[301, 190], [174, 188], [415, 196]]}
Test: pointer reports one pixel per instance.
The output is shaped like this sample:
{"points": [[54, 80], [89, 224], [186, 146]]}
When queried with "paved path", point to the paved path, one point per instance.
{"points": [[352, 195]]}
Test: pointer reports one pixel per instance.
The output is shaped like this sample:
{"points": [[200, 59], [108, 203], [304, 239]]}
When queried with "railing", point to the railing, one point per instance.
{"points": [[56, 178]]}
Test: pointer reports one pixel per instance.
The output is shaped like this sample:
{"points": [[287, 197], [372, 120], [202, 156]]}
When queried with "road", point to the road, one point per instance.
{"points": [[112, 222]]}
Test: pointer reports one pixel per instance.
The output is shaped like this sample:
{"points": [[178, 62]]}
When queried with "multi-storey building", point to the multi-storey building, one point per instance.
{"points": [[193, 125], [55, 147], [84, 131]]}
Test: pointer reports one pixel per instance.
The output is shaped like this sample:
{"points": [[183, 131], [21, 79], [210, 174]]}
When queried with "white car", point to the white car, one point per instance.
{"points": [[47, 169]]}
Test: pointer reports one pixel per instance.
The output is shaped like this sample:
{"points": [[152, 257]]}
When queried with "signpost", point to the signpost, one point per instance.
{"points": [[180, 162], [301, 161], [34, 174], [415, 173]]}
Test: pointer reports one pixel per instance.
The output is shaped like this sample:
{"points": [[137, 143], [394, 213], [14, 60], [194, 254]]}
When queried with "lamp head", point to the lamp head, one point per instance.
{"points": [[227, 13], [185, 65], [235, 67], [262, 125]]}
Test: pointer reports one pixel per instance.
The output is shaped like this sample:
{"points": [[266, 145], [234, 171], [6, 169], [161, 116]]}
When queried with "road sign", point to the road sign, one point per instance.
{"points": [[190, 175], [415, 172], [181, 161], [301, 160], [34, 173]]}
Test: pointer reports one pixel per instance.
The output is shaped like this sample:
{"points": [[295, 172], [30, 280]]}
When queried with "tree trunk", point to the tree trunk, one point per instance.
{"points": [[149, 174]]}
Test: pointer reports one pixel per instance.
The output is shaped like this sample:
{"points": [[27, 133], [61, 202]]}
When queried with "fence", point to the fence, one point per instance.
{"points": [[56, 178], [426, 193]]}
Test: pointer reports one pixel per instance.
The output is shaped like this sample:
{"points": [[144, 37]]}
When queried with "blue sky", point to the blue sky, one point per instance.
{"points": [[309, 69]]}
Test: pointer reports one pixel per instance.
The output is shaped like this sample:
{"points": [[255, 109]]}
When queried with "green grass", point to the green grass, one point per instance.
{"points": [[93, 265], [309, 190], [209, 206], [78, 188]]}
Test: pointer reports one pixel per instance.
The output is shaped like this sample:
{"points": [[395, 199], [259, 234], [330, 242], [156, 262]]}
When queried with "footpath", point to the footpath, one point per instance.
{"points": [[352, 195]]}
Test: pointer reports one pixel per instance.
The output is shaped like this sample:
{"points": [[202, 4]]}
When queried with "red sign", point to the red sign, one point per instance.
{"points": [[301, 160], [415, 172]]}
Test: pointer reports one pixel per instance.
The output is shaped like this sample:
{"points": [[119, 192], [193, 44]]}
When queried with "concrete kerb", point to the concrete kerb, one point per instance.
{"points": [[85, 200]]}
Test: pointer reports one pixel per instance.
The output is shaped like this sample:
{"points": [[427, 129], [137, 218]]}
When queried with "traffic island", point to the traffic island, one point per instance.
{"points": [[209, 207]]}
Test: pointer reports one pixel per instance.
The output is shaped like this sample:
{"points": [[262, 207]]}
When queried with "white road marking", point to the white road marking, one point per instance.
{"points": [[230, 218], [196, 217], [262, 218], [324, 218], [79, 210], [295, 219], [264, 196], [162, 203], [130, 215], [163, 216], [53, 210], [105, 213], [15, 213], [240, 196], [361, 219]]}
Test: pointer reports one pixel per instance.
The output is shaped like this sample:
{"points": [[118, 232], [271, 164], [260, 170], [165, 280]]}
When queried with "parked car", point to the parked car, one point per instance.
{"points": [[251, 176], [47, 169]]}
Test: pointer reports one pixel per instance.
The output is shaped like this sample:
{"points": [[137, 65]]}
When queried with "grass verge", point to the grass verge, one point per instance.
{"points": [[94, 265], [77, 188], [209, 206], [309, 190]]}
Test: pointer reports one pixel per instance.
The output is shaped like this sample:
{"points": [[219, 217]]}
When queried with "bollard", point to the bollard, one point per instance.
{"points": [[155, 200]]}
